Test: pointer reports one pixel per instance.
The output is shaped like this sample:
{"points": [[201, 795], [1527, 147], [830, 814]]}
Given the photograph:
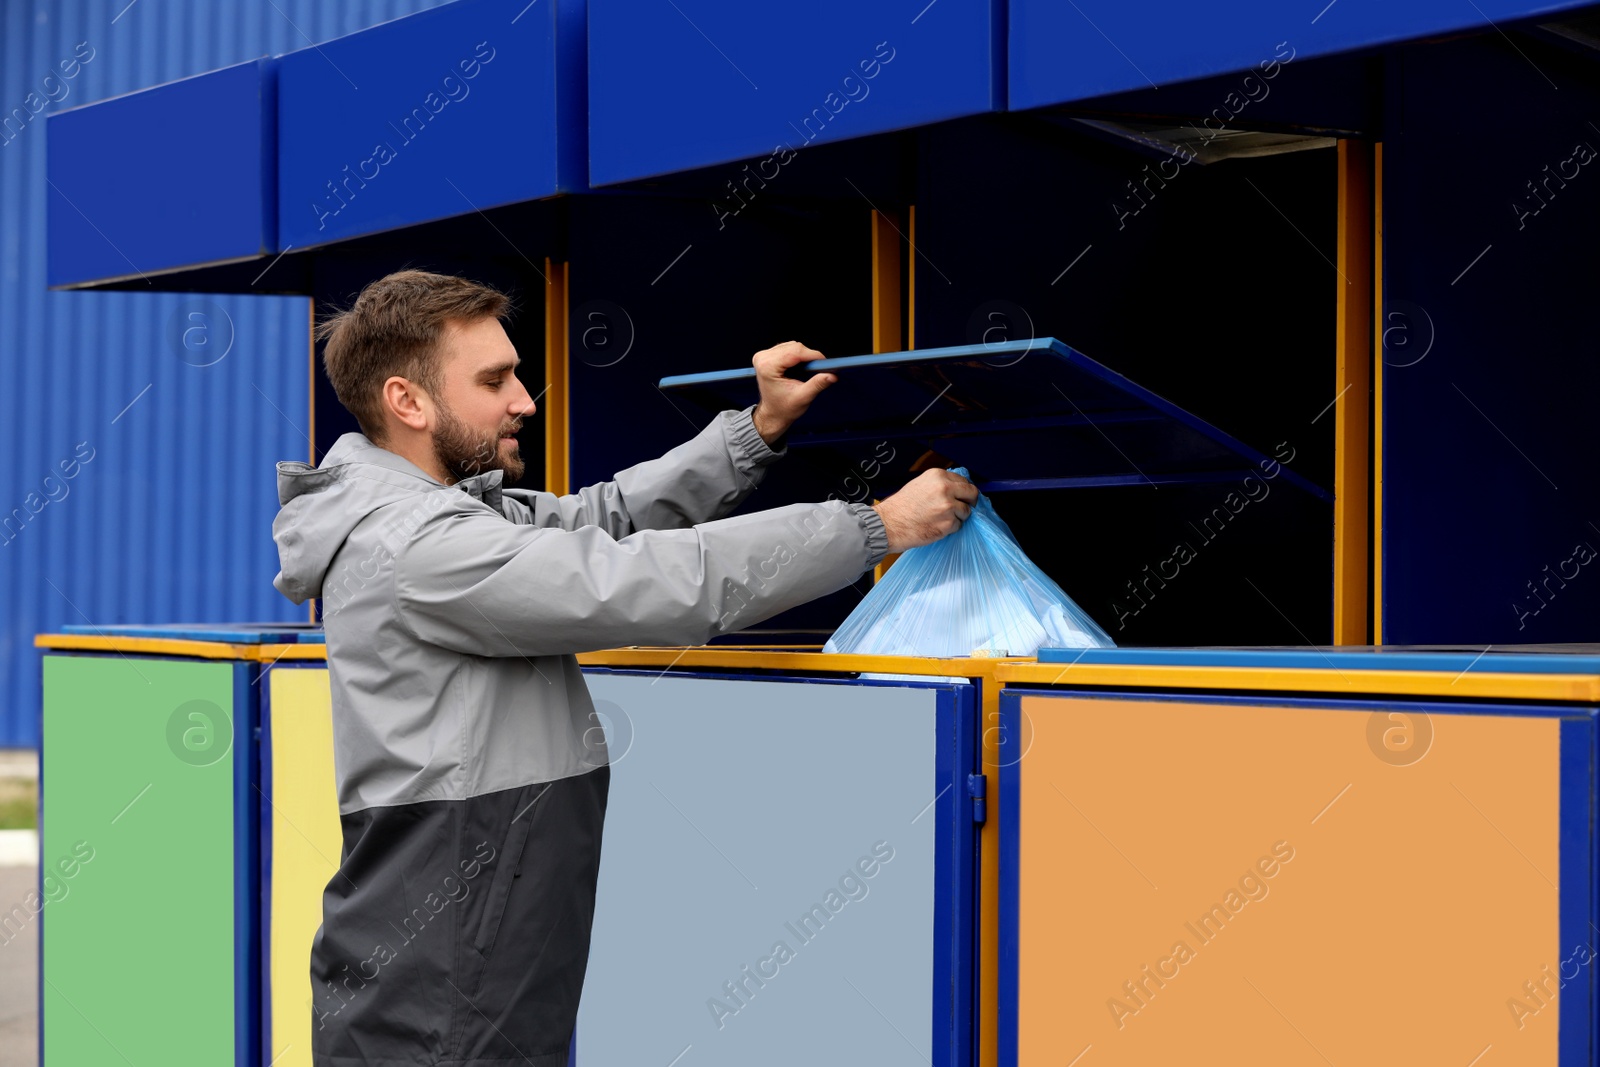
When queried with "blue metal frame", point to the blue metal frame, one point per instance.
{"points": [[264, 817], [246, 866], [38, 887], [731, 386], [955, 846], [968, 880], [1579, 877], [1002, 485], [1010, 786], [1457, 662], [1579, 907]]}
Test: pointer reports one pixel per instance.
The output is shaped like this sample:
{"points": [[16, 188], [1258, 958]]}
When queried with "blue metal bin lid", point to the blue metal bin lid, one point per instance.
{"points": [[1511, 659], [234, 633], [1021, 415]]}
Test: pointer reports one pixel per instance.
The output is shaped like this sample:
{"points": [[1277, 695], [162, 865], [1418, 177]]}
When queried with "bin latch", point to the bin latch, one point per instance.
{"points": [[978, 789]]}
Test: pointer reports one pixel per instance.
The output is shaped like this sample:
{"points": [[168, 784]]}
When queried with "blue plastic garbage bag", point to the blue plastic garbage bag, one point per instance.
{"points": [[973, 592]]}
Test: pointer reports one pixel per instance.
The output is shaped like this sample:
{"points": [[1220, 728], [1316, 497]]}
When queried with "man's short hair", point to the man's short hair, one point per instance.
{"points": [[393, 328]]}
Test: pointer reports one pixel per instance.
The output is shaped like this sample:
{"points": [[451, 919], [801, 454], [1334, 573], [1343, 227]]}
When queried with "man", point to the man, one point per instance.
{"points": [[471, 776]]}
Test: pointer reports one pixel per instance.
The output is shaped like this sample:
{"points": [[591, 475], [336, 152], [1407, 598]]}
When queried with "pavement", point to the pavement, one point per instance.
{"points": [[19, 763], [19, 976], [19, 956]]}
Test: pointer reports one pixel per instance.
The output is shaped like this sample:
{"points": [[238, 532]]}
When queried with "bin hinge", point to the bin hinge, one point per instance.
{"points": [[978, 790]]}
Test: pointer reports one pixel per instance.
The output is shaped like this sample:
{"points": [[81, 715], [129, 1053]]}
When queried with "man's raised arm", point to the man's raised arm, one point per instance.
{"points": [[702, 479]]}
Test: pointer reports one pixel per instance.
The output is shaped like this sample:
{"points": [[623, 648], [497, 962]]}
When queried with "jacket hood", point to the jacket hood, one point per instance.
{"points": [[321, 505]]}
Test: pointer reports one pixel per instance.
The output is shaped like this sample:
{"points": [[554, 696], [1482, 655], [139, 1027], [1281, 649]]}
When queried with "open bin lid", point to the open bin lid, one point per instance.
{"points": [[1021, 415]]}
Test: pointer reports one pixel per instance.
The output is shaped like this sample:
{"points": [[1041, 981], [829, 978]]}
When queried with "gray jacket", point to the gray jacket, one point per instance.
{"points": [[452, 612]]}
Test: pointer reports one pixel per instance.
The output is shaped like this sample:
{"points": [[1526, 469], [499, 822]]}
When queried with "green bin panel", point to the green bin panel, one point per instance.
{"points": [[138, 959]]}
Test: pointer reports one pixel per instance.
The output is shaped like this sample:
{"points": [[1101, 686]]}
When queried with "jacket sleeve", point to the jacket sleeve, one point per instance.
{"points": [[473, 583], [702, 479]]}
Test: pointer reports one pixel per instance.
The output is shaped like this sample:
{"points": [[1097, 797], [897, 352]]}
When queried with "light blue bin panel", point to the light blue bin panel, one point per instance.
{"points": [[741, 812], [675, 86], [460, 108], [1061, 52], [178, 175]]}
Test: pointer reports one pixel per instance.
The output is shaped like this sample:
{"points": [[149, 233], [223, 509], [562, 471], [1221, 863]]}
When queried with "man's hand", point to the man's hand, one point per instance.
{"points": [[928, 507], [784, 400]]}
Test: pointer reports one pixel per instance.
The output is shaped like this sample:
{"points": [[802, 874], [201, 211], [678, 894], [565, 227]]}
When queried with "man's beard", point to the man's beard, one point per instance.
{"points": [[463, 453]]}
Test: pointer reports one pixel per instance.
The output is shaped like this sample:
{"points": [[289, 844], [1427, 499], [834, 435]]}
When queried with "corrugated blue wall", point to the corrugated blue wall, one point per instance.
{"points": [[169, 519]]}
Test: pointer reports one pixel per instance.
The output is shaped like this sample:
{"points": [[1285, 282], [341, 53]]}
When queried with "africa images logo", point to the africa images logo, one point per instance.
{"points": [[852, 886], [199, 733], [454, 89]]}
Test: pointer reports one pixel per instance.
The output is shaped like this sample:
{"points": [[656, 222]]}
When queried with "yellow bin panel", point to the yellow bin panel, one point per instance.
{"points": [[306, 843]]}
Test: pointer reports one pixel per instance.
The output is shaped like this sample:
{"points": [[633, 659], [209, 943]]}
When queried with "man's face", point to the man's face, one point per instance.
{"points": [[482, 403]]}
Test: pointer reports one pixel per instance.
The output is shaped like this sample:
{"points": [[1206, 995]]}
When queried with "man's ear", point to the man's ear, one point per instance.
{"points": [[406, 403]]}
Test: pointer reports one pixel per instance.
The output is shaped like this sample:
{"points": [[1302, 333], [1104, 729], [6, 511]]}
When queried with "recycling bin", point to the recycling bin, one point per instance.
{"points": [[788, 833], [783, 845], [150, 791], [1238, 848]]}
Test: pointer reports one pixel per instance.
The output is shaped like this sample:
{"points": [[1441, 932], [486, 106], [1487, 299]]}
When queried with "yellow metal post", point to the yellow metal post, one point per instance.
{"points": [[555, 376], [886, 331], [1377, 394], [911, 277], [311, 413], [886, 323], [1354, 353]]}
